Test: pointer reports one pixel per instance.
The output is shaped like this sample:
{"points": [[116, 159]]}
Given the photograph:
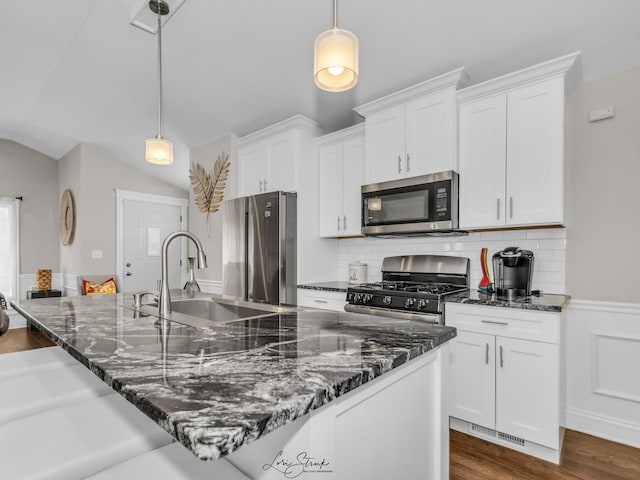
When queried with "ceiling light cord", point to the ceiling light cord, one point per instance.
{"points": [[335, 14]]}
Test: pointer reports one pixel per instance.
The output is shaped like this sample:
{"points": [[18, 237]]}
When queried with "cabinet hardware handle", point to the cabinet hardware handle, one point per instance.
{"points": [[501, 357], [486, 354], [321, 301], [260, 188], [494, 322], [128, 274], [399, 164], [344, 222], [498, 209], [408, 162], [338, 222], [510, 207]]}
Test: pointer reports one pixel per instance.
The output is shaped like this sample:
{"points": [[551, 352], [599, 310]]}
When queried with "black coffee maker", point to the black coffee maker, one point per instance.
{"points": [[513, 272]]}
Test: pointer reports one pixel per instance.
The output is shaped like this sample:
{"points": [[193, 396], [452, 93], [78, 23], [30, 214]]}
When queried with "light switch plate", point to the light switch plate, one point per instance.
{"points": [[601, 114], [96, 254]]}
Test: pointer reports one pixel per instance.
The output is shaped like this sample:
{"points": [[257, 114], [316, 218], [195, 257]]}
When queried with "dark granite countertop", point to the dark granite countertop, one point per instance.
{"points": [[216, 389], [545, 302], [327, 286]]}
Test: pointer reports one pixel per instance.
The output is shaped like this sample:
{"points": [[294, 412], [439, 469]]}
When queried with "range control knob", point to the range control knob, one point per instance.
{"points": [[409, 302], [422, 303], [367, 297], [357, 297], [386, 300]]}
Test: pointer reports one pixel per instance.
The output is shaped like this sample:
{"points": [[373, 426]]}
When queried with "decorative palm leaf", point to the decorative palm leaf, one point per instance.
{"points": [[208, 188], [201, 183], [218, 177]]}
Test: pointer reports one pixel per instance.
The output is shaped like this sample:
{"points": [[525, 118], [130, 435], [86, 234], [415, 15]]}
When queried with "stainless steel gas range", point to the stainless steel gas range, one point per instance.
{"points": [[412, 287]]}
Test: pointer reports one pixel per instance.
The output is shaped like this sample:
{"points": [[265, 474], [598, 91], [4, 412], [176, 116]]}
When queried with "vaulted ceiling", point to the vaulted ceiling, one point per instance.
{"points": [[77, 71]]}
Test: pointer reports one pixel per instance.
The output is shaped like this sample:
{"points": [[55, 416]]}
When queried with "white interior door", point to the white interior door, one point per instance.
{"points": [[145, 226]]}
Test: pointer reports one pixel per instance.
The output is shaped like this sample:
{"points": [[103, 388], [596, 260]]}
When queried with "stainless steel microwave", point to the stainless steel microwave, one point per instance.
{"points": [[424, 205]]}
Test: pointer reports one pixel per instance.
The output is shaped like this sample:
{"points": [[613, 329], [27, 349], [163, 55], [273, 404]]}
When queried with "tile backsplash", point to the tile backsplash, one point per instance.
{"points": [[547, 245]]}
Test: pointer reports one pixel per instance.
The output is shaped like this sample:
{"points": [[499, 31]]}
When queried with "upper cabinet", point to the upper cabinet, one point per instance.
{"points": [[413, 132], [268, 158], [284, 157], [341, 174], [512, 148]]}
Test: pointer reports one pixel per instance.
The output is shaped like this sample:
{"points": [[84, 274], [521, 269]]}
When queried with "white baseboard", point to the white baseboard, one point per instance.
{"points": [[603, 427]]}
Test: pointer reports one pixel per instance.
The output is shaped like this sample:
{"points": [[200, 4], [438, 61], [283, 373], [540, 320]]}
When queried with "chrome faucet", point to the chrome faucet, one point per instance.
{"points": [[164, 302]]}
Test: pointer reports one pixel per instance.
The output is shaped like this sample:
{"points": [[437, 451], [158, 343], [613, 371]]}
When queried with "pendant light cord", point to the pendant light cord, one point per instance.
{"points": [[335, 14], [159, 71]]}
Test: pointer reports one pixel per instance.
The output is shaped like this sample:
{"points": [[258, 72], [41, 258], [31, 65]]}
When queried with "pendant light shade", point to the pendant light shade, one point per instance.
{"points": [[159, 150], [335, 59]]}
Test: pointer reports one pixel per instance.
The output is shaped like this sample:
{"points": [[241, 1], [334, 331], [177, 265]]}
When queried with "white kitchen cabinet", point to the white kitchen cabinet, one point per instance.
{"points": [[473, 378], [327, 300], [414, 131], [512, 148], [503, 379], [341, 174], [268, 164]]}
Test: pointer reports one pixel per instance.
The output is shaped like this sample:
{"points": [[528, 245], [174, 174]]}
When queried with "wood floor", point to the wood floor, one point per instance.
{"points": [[18, 339], [583, 457]]}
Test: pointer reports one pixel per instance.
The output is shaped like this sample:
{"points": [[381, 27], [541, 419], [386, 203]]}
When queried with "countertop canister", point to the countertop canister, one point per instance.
{"points": [[357, 272]]}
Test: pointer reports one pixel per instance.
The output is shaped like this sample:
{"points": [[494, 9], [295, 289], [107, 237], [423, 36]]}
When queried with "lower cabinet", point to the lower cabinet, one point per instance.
{"points": [[504, 375], [327, 300]]}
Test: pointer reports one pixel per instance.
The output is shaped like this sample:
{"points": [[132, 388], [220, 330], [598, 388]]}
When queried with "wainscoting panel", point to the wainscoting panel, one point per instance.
{"points": [[610, 352], [602, 358]]}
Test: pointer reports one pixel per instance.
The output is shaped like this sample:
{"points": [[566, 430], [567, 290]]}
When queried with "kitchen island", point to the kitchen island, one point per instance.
{"points": [[310, 393]]}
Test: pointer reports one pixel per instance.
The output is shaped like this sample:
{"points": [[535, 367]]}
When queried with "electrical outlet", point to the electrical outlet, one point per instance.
{"points": [[96, 254], [602, 114]]}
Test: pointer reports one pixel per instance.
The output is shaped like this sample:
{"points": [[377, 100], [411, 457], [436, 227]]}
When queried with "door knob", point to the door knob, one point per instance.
{"points": [[128, 264], [128, 274]]}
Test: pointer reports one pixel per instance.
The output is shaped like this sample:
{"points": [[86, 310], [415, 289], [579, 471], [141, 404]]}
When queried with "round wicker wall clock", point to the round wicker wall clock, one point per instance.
{"points": [[67, 218]]}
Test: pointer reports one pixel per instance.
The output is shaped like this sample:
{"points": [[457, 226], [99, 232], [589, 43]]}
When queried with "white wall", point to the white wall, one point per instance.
{"points": [[93, 177], [211, 239], [603, 190], [603, 233], [27, 173]]}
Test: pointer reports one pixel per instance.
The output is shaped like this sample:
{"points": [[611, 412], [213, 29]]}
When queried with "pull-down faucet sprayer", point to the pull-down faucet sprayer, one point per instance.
{"points": [[164, 302]]}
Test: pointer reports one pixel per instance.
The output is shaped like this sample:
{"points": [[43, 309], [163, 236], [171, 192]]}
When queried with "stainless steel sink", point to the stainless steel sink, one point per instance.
{"points": [[208, 311]]}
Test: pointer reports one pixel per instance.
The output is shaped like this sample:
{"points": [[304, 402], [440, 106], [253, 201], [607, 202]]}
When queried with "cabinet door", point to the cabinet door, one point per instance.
{"points": [[353, 169], [483, 163], [527, 390], [535, 148], [472, 378], [282, 163], [254, 168], [330, 190], [430, 134], [385, 145]]}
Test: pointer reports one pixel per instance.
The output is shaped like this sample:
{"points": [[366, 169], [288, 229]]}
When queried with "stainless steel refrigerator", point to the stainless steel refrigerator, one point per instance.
{"points": [[259, 245]]}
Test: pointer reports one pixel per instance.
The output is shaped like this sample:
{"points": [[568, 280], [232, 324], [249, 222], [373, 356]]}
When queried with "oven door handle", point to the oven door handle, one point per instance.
{"points": [[434, 318]]}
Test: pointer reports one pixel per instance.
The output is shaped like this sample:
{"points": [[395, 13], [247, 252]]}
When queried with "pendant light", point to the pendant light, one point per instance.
{"points": [[335, 59], [159, 150]]}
